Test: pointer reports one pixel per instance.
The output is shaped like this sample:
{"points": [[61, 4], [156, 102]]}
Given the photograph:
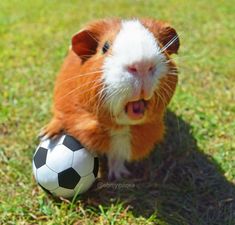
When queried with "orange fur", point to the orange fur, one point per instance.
{"points": [[77, 107]]}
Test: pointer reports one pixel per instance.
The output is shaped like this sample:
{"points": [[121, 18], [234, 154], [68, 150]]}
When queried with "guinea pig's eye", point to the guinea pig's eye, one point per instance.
{"points": [[105, 47]]}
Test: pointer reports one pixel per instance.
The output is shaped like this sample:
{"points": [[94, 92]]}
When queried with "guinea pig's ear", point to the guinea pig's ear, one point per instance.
{"points": [[165, 34], [84, 44]]}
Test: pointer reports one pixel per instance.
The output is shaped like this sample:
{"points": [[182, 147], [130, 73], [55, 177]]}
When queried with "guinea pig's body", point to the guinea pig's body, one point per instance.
{"points": [[113, 89]]}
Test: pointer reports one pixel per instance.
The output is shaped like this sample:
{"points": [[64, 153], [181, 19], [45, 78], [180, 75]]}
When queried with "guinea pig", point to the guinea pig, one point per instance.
{"points": [[113, 89]]}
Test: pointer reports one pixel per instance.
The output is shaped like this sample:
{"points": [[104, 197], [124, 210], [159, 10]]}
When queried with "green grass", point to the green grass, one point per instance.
{"points": [[190, 179]]}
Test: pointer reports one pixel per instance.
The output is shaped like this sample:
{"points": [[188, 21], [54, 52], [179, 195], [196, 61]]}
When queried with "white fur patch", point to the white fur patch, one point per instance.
{"points": [[120, 151], [134, 43], [120, 144]]}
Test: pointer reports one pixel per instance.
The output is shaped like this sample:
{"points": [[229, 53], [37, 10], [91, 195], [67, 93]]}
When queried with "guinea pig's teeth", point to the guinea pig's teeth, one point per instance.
{"points": [[135, 109]]}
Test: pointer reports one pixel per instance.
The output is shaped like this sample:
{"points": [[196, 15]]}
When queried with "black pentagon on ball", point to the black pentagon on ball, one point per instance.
{"points": [[40, 157], [72, 143], [68, 178], [96, 166]]}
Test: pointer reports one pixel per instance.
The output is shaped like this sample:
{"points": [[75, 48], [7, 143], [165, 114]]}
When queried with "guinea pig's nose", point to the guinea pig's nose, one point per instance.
{"points": [[141, 68]]}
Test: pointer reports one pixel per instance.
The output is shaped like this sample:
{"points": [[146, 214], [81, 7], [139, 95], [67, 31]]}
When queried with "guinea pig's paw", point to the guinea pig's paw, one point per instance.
{"points": [[117, 170], [51, 130]]}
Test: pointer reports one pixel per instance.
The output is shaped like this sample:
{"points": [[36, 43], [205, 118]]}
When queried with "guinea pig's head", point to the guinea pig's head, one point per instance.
{"points": [[132, 76]]}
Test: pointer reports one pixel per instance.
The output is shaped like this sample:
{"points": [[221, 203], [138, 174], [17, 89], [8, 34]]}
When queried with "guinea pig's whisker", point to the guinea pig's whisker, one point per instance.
{"points": [[71, 92], [91, 55], [108, 97], [94, 86], [118, 101], [172, 74], [75, 76], [169, 87], [168, 44], [77, 88], [170, 90], [96, 70], [166, 91], [102, 95], [174, 69], [168, 61], [159, 97], [158, 100], [93, 37], [98, 96], [156, 95], [162, 99], [87, 90], [79, 75], [177, 58], [168, 82]]}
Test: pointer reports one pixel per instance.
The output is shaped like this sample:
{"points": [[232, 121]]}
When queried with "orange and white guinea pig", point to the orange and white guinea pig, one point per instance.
{"points": [[114, 87]]}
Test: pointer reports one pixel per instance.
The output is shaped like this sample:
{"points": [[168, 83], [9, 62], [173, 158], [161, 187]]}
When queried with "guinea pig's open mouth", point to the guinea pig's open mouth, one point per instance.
{"points": [[135, 110]]}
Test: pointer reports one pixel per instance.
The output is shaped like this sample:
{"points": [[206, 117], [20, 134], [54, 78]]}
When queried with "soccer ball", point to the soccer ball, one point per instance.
{"points": [[63, 167]]}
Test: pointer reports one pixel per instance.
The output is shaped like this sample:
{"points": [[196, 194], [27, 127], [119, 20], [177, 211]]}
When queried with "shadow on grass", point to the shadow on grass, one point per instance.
{"points": [[178, 183]]}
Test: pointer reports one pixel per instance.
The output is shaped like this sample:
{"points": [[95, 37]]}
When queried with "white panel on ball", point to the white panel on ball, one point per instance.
{"points": [[45, 144], [66, 193], [85, 183], [83, 162], [47, 178], [60, 158]]}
